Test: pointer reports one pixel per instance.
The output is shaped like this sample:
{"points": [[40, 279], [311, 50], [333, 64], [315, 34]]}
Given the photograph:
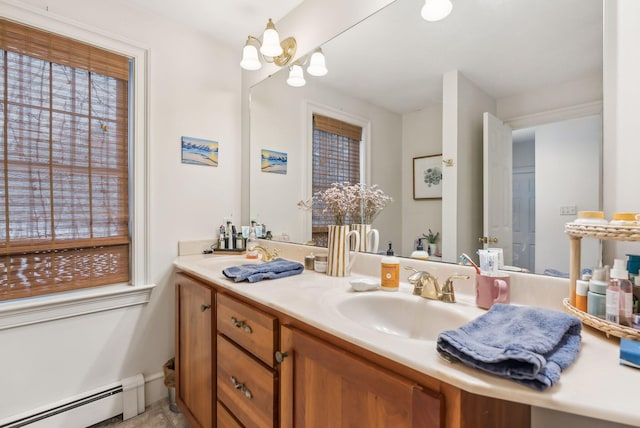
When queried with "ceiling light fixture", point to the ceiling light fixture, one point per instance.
{"points": [[272, 49], [435, 10]]}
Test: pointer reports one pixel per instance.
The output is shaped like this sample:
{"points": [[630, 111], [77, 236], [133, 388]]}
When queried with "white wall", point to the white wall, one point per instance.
{"points": [[571, 145], [463, 104], [421, 136], [194, 90], [279, 122], [621, 151]]}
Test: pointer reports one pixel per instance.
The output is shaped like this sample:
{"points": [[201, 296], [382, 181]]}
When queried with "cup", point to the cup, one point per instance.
{"points": [[491, 289]]}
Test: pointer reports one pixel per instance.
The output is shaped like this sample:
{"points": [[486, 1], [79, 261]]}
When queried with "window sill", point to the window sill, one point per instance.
{"points": [[35, 310]]}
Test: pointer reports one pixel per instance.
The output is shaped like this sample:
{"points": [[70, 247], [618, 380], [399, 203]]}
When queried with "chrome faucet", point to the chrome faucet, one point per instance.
{"points": [[266, 255], [426, 285]]}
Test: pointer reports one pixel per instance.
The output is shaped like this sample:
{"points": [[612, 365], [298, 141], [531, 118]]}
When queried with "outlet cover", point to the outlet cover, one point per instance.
{"points": [[569, 210]]}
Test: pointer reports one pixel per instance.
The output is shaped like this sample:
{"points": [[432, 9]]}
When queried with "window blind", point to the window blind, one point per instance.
{"points": [[336, 159], [64, 199]]}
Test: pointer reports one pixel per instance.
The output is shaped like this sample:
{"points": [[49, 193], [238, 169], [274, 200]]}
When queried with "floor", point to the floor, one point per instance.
{"points": [[157, 415]]}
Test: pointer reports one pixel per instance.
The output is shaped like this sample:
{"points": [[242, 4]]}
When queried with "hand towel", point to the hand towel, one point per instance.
{"points": [[278, 268], [529, 345]]}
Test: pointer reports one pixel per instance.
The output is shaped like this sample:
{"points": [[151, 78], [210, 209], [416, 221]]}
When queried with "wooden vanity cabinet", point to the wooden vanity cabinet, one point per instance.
{"points": [[266, 369], [329, 387], [195, 349]]}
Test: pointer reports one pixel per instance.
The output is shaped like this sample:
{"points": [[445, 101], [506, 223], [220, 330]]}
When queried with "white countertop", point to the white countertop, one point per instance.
{"points": [[595, 385]]}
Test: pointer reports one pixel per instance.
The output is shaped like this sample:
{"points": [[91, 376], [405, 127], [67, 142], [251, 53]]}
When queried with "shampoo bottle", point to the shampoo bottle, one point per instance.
{"points": [[390, 271]]}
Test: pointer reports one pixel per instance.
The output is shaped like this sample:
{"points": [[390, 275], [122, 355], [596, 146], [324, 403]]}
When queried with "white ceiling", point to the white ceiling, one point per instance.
{"points": [[505, 47]]}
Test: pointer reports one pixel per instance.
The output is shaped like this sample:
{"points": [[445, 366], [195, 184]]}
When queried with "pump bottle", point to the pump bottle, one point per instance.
{"points": [[390, 271], [619, 295]]}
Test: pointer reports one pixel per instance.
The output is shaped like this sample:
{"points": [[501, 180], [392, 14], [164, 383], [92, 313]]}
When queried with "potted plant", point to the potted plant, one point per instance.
{"points": [[432, 239]]}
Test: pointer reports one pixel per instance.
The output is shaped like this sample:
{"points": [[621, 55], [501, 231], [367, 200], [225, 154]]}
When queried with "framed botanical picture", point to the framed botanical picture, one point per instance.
{"points": [[427, 177]]}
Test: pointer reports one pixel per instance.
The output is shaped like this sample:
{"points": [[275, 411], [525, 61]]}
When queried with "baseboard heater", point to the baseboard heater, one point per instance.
{"points": [[124, 398]]}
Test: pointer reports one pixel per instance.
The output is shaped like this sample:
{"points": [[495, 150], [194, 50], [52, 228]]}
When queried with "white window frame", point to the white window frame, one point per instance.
{"points": [[32, 310], [310, 109]]}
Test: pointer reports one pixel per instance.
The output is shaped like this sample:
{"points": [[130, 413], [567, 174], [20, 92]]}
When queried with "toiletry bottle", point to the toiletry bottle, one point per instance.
{"points": [[390, 271], [619, 295], [596, 300], [229, 236], [582, 290], [222, 239], [252, 242], [420, 253]]}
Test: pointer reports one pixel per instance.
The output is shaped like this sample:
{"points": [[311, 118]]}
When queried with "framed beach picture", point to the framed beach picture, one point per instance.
{"points": [[197, 151], [427, 177], [274, 162]]}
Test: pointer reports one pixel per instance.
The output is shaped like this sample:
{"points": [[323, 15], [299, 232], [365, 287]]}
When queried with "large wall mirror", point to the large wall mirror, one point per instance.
{"points": [[534, 65]]}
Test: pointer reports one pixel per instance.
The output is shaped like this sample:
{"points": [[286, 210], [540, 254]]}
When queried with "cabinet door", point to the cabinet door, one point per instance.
{"points": [[194, 351], [325, 386]]}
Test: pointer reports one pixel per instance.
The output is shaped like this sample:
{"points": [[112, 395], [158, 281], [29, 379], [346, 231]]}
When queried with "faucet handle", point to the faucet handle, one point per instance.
{"points": [[448, 293]]}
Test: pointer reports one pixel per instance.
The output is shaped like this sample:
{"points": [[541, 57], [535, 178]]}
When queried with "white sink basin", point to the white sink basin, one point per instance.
{"points": [[404, 315]]}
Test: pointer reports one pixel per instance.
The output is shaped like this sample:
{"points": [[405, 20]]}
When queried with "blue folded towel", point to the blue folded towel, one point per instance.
{"points": [[526, 344], [278, 268]]}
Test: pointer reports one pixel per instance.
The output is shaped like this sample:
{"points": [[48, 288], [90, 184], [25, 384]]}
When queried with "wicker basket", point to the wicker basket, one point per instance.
{"points": [[609, 328], [616, 233]]}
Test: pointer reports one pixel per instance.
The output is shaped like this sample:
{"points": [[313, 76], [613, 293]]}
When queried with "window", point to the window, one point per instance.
{"points": [[64, 147], [336, 159]]}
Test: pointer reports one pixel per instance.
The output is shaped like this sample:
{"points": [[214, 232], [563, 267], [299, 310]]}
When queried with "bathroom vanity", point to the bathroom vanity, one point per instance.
{"points": [[264, 368], [292, 352]]}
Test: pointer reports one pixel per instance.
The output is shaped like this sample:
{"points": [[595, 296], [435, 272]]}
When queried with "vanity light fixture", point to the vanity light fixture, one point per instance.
{"points": [[296, 76], [272, 49], [317, 67], [435, 10]]}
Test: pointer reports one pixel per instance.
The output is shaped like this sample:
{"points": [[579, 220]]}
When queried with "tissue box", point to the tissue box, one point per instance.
{"points": [[630, 353]]}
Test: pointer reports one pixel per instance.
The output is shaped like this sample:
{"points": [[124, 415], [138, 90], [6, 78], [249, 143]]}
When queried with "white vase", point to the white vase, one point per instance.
{"points": [[432, 249], [340, 259], [368, 238]]}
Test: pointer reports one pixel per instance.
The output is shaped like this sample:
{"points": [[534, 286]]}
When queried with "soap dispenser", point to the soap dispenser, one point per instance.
{"points": [[420, 253], [390, 271]]}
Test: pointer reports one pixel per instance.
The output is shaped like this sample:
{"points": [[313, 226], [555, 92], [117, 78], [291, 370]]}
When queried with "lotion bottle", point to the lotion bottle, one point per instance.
{"points": [[390, 271]]}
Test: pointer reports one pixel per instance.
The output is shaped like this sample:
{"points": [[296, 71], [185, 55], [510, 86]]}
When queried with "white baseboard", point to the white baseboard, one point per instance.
{"points": [[154, 389]]}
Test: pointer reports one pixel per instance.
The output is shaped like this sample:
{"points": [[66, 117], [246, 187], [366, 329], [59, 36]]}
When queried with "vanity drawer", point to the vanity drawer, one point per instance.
{"points": [[224, 418], [245, 387], [250, 328]]}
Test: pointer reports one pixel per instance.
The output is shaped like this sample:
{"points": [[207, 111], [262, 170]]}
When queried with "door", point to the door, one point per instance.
{"points": [[524, 218], [325, 386], [496, 185]]}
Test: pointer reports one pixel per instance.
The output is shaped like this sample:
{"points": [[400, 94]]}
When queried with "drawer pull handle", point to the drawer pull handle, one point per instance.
{"points": [[204, 307], [241, 324], [280, 356], [241, 387]]}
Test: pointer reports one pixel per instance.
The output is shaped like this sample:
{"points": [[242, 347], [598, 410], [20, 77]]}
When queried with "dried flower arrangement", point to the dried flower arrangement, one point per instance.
{"points": [[368, 204], [341, 200]]}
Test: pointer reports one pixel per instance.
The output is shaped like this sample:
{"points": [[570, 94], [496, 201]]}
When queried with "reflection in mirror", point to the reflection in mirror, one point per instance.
{"points": [[537, 67]]}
